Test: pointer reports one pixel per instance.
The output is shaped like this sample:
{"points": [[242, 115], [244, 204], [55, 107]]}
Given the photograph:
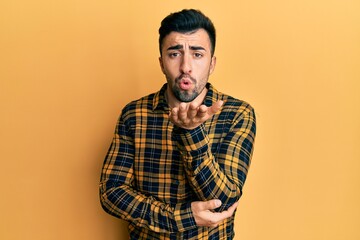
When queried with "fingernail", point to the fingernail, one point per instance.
{"points": [[218, 203]]}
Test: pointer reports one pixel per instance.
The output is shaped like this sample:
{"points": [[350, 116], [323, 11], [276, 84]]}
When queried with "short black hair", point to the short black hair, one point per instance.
{"points": [[187, 20]]}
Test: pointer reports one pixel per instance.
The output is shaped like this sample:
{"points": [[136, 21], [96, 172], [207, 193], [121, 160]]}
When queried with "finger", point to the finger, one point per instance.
{"points": [[182, 114], [202, 112], [174, 114], [211, 204], [192, 111], [232, 208], [230, 211], [215, 107]]}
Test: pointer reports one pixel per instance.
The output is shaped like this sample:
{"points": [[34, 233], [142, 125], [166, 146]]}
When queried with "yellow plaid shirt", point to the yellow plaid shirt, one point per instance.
{"points": [[154, 170]]}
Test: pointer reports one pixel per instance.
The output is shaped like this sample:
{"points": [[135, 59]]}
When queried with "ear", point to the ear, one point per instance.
{"points": [[161, 64], [212, 64]]}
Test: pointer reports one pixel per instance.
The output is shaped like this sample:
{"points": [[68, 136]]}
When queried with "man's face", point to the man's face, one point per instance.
{"points": [[187, 63]]}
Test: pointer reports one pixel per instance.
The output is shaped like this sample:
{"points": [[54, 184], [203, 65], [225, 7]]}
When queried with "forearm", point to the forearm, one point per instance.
{"points": [[128, 204], [210, 181], [121, 199], [222, 173], [204, 172]]}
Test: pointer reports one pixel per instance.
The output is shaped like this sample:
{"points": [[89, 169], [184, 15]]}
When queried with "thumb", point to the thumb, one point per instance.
{"points": [[216, 107], [212, 204]]}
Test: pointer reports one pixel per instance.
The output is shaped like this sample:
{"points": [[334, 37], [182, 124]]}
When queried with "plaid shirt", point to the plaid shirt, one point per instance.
{"points": [[154, 170]]}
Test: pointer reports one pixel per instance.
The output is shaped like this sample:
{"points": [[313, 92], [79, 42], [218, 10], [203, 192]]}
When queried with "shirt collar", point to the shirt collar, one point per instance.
{"points": [[159, 101]]}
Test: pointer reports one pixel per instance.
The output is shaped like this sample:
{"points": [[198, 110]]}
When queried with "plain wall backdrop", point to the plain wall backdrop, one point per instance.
{"points": [[67, 68]]}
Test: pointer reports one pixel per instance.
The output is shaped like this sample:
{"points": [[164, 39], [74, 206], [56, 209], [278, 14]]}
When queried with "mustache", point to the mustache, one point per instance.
{"points": [[185, 76]]}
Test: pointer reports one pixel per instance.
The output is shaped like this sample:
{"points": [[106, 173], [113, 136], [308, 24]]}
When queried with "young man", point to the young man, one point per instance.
{"points": [[180, 156]]}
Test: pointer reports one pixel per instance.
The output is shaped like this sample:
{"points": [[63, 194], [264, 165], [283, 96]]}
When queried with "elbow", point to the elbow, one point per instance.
{"points": [[103, 197], [227, 202]]}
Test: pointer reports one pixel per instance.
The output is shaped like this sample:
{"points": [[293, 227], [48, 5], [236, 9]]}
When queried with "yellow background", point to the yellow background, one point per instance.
{"points": [[68, 67]]}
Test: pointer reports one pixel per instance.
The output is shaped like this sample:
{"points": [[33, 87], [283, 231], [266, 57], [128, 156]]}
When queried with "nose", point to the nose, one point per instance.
{"points": [[186, 66]]}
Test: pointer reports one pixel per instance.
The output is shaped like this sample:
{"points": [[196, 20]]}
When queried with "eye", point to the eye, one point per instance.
{"points": [[174, 54], [198, 55]]}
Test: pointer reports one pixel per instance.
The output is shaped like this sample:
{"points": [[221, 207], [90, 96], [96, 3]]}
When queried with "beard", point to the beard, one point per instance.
{"points": [[184, 95]]}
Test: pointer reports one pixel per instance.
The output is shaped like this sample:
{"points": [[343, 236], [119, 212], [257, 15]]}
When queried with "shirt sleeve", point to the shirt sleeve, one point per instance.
{"points": [[220, 174], [120, 198]]}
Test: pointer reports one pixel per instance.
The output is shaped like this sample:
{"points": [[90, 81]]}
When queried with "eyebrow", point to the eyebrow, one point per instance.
{"points": [[179, 46]]}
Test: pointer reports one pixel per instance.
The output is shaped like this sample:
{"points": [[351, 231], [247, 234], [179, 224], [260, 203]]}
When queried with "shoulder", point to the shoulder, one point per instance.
{"points": [[138, 107], [239, 114], [233, 106], [236, 105]]}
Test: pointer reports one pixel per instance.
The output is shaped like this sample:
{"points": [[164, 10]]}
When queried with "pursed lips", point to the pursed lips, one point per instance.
{"points": [[185, 82]]}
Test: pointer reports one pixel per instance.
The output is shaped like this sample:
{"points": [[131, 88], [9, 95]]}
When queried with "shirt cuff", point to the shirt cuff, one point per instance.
{"points": [[184, 217], [194, 141]]}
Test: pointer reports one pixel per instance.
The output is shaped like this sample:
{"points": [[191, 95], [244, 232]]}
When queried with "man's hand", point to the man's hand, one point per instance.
{"points": [[190, 116], [206, 217]]}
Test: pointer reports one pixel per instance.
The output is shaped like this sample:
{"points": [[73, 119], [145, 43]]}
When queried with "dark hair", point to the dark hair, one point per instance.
{"points": [[185, 21]]}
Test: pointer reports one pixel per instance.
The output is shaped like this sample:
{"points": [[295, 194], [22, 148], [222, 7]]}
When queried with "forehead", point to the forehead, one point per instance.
{"points": [[195, 38]]}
